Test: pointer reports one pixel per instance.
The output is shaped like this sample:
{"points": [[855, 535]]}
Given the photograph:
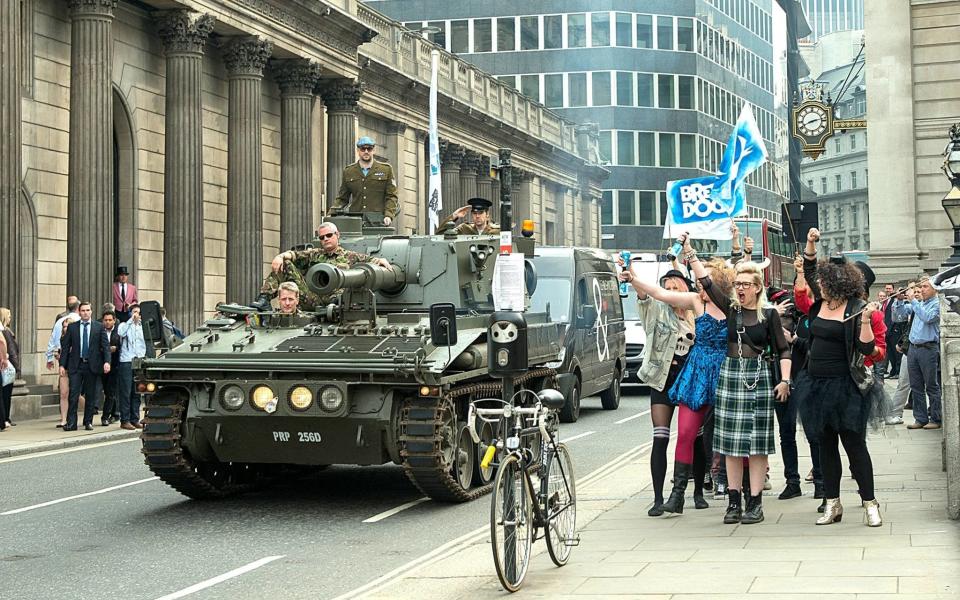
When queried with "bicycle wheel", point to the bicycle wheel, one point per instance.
{"points": [[511, 524], [561, 530]]}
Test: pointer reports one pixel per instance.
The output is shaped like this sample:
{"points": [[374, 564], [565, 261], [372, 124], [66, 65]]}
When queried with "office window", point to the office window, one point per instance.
{"points": [[644, 89], [606, 208], [823, 185], [662, 201], [810, 183], [599, 29], [576, 31], [506, 34], [482, 35], [413, 25], [601, 88], [853, 141], [644, 31], [439, 38], [854, 215], [626, 207], [685, 34], [665, 33], [665, 97], [853, 180], [552, 32], [646, 149], [839, 183], [624, 24], [625, 154], [510, 80], [530, 86], [624, 88], [529, 33], [836, 145], [459, 37], [839, 212], [577, 89], [688, 150], [685, 91], [648, 208], [668, 149], [606, 146], [553, 90]]}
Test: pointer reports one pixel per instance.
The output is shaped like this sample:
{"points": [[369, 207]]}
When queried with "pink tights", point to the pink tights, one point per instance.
{"points": [[689, 423]]}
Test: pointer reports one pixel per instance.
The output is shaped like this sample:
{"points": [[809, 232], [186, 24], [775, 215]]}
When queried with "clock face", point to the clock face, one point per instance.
{"points": [[811, 120]]}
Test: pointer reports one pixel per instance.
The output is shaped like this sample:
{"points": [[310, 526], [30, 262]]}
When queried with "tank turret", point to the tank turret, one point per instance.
{"points": [[324, 279]]}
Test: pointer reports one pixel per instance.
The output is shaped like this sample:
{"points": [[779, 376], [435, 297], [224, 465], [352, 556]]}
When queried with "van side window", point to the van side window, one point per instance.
{"points": [[582, 297], [611, 297]]}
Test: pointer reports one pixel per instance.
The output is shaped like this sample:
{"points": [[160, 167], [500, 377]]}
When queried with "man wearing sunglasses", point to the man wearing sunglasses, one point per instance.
{"points": [[479, 210], [293, 265], [367, 185]]}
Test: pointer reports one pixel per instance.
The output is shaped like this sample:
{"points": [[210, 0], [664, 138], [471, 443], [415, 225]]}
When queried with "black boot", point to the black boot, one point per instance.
{"points": [[734, 509], [262, 303], [656, 510], [681, 474], [754, 512], [791, 491]]}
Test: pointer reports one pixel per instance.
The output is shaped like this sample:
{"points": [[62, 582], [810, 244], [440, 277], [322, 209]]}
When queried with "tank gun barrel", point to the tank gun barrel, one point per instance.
{"points": [[325, 278]]}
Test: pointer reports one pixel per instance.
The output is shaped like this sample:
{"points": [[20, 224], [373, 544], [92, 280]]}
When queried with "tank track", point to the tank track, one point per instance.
{"points": [[421, 421], [167, 459]]}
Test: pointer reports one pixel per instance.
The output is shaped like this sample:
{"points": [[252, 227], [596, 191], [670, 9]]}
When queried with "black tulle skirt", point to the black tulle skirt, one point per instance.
{"points": [[837, 403]]}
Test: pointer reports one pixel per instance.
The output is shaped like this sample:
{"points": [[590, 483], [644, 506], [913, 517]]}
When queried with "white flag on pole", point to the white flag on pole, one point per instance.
{"points": [[434, 196]]}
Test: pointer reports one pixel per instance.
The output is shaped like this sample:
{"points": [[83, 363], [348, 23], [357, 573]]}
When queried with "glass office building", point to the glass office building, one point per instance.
{"points": [[827, 16], [665, 80]]}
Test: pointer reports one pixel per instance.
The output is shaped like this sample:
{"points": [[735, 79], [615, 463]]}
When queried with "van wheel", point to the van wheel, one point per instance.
{"points": [[610, 397], [571, 409]]}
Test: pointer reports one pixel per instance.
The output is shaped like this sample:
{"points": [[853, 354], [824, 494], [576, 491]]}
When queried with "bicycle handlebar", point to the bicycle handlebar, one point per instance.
{"points": [[537, 411]]}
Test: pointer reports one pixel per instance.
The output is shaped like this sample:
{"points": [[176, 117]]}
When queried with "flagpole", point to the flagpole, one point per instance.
{"points": [[434, 190]]}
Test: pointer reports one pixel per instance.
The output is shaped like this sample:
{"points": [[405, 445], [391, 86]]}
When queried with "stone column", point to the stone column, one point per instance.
{"points": [[451, 156], [468, 174], [296, 79], [245, 59], [522, 202], [342, 99], [394, 145], [90, 227], [10, 89], [184, 34]]}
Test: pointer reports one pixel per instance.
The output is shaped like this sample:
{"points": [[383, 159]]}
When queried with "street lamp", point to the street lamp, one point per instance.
{"points": [[951, 202]]}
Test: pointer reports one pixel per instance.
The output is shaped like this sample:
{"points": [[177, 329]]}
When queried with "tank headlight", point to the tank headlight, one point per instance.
{"points": [[301, 398], [232, 397], [262, 396], [151, 387], [331, 398]]}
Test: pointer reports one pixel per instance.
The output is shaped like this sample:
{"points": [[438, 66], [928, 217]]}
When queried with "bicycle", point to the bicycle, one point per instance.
{"points": [[518, 508]]}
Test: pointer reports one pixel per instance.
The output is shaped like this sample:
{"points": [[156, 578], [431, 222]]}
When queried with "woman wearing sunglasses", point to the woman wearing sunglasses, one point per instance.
{"points": [[746, 389], [679, 375]]}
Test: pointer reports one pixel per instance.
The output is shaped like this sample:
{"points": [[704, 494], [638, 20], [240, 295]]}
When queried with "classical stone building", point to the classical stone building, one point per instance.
{"points": [[191, 140], [913, 52]]}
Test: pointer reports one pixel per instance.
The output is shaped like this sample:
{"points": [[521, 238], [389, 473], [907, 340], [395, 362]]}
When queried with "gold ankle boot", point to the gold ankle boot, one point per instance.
{"points": [[832, 512], [871, 513]]}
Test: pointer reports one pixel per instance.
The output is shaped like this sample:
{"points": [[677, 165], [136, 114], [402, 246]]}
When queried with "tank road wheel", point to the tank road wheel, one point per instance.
{"points": [[483, 476], [610, 397], [466, 458]]}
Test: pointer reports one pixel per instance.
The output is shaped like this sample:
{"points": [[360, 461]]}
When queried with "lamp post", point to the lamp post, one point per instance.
{"points": [[951, 202]]}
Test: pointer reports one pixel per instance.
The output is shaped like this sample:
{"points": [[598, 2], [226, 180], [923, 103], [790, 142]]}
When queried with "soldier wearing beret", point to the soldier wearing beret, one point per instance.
{"points": [[479, 209], [367, 185]]}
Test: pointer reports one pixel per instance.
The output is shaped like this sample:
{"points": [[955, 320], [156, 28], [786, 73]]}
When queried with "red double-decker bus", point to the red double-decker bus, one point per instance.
{"points": [[768, 242]]}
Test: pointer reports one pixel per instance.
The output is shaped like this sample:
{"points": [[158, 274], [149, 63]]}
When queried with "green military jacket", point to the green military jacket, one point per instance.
{"points": [[375, 192], [295, 270], [449, 225]]}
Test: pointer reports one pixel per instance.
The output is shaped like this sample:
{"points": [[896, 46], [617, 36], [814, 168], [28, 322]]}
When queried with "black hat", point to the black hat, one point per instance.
{"points": [[678, 275], [868, 275], [121, 270], [480, 204]]}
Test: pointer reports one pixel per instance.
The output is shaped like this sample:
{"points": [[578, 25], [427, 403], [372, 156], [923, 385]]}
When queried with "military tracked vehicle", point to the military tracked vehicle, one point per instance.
{"points": [[360, 382]]}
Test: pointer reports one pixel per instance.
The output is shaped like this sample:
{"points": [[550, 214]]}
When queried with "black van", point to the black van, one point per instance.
{"points": [[579, 287]]}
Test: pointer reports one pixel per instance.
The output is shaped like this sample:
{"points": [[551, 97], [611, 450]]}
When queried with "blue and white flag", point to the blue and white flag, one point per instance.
{"points": [[703, 206], [434, 192]]}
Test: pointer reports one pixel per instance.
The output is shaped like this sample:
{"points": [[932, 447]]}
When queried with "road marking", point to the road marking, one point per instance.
{"points": [[578, 436], [220, 578], [66, 450], [638, 415], [393, 511], [68, 498]]}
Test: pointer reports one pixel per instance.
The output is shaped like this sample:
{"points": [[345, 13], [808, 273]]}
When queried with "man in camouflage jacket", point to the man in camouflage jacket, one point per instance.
{"points": [[293, 265]]}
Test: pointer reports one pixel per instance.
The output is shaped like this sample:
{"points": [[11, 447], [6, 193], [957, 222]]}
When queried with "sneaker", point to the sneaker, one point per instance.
{"points": [[916, 425], [932, 425], [720, 492], [707, 482], [894, 420]]}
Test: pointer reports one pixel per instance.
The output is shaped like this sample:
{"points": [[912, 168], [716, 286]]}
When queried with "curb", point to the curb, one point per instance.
{"points": [[68, 443]]}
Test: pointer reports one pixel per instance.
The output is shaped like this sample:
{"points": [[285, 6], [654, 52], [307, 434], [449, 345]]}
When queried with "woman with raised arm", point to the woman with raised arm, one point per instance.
{"points": [[746, 389], [688, 383], [833, 392]]}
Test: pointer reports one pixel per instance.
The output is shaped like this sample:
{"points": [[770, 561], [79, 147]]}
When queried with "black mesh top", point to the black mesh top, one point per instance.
{"points": [[768, 334]]}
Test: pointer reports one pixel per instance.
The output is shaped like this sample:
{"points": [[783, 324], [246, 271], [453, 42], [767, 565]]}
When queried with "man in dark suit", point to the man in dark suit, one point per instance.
{"points": [[894, 333], [84, 357], [111, 408]]}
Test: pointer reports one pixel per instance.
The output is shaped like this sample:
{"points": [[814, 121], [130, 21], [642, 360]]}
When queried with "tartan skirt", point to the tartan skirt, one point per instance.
{"points": [[743, 424]]}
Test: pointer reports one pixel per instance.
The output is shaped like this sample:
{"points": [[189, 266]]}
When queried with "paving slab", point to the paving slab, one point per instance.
{"points": [[41, 435]]}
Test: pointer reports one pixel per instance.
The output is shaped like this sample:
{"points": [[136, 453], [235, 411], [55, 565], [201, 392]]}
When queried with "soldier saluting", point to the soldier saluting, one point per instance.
{"points": [[367, 185], [479, 209]]}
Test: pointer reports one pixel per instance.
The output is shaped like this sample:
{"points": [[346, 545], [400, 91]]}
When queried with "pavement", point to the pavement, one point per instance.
{"points": [[41, 435], [625, 554]]}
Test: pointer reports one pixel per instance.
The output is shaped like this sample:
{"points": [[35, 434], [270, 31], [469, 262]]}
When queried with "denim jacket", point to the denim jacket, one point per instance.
{"points": [[661, 326]]}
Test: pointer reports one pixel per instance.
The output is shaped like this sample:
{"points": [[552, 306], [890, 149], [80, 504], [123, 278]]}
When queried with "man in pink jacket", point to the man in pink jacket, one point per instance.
{"points": [[124, 294]]}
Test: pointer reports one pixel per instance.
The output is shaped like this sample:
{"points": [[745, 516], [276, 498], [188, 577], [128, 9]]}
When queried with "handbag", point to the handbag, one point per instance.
{"points": [[9, 374]]}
